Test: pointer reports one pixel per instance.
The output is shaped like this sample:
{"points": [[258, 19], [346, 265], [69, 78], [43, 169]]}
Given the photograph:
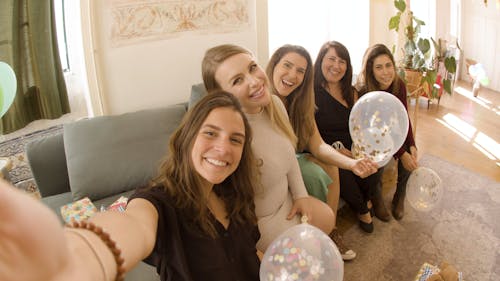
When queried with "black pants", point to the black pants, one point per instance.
{"points": [[357, 191]]}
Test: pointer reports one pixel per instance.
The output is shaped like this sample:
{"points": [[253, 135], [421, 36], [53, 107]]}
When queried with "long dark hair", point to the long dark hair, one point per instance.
{"points": [[346, 81], [185, 186], [300, 103], [366, 79]]}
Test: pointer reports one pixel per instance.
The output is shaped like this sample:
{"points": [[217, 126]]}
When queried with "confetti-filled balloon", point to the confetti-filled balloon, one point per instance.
{"points": [[304, 253], [378, 125], [424, 189]]}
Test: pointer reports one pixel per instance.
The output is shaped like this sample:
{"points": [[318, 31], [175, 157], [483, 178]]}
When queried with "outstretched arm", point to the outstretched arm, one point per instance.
{"points": [[34, 245], [327, 154]]}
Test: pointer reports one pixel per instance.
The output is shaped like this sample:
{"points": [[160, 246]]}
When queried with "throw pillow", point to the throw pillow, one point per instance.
{"points": [[197, 92], [107, 155], [78, 211], [48, 150]]}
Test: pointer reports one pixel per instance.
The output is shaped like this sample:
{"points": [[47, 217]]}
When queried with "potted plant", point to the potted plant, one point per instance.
{"points": [[418, 53]]}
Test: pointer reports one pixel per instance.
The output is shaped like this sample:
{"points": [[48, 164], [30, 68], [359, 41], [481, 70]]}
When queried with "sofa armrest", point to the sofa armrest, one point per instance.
{"points": [[47, 161]]}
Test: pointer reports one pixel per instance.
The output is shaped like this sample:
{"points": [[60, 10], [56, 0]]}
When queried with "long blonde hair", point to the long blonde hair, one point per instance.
{"points": [[214, 57], [300, 103]]}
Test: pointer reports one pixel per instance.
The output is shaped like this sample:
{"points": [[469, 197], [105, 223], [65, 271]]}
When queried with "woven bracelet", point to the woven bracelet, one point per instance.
{"points": [[104, 236]]}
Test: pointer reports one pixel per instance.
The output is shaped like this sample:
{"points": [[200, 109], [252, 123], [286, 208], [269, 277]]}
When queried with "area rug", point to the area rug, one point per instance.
{"points": [[462, 229], [20, 173]]}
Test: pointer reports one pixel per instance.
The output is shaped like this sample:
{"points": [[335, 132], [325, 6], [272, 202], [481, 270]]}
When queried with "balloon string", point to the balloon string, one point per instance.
{"points": [[304, 219]]}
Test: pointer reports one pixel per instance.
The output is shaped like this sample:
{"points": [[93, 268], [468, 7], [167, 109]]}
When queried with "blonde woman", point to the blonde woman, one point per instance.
{"points": [[283, 198]]}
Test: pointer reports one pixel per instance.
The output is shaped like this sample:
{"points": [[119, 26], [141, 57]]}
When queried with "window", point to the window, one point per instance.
{"points": [[454, 18], [59, 11], [312, 23]]}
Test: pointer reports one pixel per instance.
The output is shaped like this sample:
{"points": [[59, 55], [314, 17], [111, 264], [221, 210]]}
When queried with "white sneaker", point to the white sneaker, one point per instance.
{"points": [[347, 254]]}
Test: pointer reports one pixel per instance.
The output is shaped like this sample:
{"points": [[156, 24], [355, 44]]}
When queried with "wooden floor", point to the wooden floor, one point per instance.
{"points": [[463, 129]]}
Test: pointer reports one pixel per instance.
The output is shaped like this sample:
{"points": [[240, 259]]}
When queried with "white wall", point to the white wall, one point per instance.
{"points": [[380, 13], [443, 17], [157, 72], [481, 38], [317, 22], [161, 72]]}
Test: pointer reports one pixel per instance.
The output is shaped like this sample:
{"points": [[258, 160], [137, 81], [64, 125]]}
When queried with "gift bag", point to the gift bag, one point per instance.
{"points": [[78, 210]]}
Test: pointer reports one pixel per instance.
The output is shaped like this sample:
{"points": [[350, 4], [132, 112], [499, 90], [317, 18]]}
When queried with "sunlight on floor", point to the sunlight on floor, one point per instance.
{"points": [[465, 128], [482, 142], [479, 100]]}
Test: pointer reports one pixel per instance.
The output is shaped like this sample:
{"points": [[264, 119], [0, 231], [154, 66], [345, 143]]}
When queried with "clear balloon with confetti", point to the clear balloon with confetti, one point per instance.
{"points": [[304, 253], [424, 189], [378, 124]]}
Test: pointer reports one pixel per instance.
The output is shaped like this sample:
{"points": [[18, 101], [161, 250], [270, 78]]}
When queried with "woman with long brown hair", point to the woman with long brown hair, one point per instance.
{"points": [[196, 221], [290, 71], [379, 74], [335, 97]]}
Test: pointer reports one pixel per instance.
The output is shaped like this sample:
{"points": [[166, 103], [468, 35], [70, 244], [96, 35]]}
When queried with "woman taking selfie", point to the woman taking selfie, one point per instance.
{"points": [[196, 220]]}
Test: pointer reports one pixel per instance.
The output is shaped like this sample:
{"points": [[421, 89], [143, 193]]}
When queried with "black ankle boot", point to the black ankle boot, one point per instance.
{"points": [[398, 201], [379, 207], [398, 206]]}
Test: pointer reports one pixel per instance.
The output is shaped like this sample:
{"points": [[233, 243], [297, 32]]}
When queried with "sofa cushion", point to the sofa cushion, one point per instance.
{"points": [[107, 155], [48, 164]]}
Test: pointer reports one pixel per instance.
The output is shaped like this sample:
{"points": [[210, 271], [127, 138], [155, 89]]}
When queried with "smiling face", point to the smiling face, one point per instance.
{"points": [[383, 71], [218, 146], [289, 72], [333, 67], [241, 76]]}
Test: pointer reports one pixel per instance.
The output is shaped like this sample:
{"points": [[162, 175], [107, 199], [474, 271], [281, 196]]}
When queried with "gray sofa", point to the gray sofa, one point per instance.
{"points": [[103, 158]]}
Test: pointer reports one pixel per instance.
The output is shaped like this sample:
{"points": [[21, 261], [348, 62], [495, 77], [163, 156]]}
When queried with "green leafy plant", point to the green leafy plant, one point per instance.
{"points": [[419, 54], [450, 63]]}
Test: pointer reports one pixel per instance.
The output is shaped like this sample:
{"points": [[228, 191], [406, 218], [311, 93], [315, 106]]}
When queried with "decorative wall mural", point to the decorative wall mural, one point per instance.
{"points": [[135, 21]]}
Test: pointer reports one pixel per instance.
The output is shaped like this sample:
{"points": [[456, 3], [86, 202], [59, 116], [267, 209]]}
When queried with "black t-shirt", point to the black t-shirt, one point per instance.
{"points": [[183, 253]]}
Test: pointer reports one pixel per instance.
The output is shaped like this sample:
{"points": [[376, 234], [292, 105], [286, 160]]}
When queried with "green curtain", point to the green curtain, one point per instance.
{"points": [[28, 43]]}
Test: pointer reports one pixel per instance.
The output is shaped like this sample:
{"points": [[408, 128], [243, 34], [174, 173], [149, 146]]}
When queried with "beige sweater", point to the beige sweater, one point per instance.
{"points": [[280, 175]]}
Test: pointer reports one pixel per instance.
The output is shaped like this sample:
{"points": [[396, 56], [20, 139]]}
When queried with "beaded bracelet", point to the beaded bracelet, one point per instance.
{"points": [[104, 236]]}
